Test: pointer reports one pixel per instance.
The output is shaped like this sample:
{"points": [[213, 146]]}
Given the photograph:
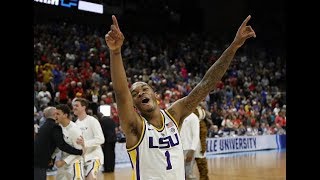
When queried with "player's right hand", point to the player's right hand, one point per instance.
{"points": [[114, 38], [244, 32]]}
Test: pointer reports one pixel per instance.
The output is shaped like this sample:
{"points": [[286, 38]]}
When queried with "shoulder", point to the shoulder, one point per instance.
{"points": [[74, 125], [104, 118], [77, 121], [91, 118], [92, 121], [192, 116], [56, 127]]}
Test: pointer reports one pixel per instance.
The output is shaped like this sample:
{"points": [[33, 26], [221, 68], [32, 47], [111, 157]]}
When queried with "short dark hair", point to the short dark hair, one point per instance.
{"points": [[64, 108]]}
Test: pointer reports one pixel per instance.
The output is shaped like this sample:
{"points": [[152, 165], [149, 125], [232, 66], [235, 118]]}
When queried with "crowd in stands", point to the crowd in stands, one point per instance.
{"points": [[72, 60]]}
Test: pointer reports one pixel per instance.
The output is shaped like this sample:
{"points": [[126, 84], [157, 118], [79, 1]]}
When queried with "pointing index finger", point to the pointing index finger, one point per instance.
{"points": [[244, 23], [115, 22]]}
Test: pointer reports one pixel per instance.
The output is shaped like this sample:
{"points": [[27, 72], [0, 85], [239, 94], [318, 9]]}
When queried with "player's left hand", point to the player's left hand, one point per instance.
{"points": [[60, 163], [244, 32], [80, 141], [189, 155]]}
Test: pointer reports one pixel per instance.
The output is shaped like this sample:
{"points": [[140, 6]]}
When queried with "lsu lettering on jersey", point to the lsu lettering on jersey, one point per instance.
{"points": [[158, 155]]}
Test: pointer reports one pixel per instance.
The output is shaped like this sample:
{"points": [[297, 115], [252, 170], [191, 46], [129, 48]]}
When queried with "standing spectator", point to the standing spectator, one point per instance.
{"points": [[109, 132], [216, 115], [63, 92], [51, 88], [44, 97], [281, 119]]}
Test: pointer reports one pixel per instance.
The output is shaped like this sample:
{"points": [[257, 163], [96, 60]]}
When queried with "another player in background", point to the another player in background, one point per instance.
{"points": [[190, 138], [93, 138], [69, 166]]}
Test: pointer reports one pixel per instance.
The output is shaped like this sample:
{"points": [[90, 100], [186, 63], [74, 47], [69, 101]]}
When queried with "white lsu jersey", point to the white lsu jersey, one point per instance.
{"points": [[158, 154]]}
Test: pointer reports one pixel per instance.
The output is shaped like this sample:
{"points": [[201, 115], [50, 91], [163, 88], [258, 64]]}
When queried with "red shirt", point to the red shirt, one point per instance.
{"points": [[280, 120]]}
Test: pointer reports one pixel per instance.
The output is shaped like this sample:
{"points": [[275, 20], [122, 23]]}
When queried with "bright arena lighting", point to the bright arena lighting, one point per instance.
{"points": [[92, 7]]}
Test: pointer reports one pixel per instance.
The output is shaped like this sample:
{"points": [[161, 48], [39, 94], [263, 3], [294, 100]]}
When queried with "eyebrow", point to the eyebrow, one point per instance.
{"points": [[144, 86]]}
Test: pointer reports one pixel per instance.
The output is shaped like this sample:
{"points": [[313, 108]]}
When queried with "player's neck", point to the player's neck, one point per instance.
{"points": [[65, 123], [154, 118], [82, 116]]}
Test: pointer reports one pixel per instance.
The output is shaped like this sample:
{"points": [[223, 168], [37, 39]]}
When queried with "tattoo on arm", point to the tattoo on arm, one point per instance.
{"points": [[217, 70], [210, 79], [174, 115], [192, 99], [172, 112]]}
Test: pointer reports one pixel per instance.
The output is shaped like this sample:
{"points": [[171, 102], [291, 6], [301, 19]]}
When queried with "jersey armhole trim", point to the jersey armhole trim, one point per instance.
{"points": [[169, 115], [162, 119], [141, 137]]}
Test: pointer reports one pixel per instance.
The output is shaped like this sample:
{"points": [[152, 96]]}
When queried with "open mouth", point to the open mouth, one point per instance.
{"points": [[145, 100]]}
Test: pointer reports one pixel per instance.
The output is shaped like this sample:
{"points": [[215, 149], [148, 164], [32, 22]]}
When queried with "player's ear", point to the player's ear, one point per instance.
{"points": [[158, 97]]}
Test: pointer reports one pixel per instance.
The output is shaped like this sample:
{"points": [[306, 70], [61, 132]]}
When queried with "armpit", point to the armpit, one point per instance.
{"points": [[134, 129]]}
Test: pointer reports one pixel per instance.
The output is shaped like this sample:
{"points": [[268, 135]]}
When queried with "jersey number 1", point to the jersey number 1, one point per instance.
{"points": [[169, 166]]}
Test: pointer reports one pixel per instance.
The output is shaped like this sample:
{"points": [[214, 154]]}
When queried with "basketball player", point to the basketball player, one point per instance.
{"points": [[70, 166], [152, 137], [190, 138], [93, 138]]}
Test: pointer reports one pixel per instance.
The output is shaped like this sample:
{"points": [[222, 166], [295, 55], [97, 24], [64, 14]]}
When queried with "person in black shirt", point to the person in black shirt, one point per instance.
{"points": [[108, 127], [47, 140]]}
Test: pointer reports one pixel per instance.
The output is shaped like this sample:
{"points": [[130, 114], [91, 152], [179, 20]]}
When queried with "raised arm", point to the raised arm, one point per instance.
{"points": [[183, 107], [127, 115]]}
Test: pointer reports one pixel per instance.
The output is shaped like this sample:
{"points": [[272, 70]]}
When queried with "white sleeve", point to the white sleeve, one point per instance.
{"points": [[39, 96], [195, 131], [98, 138], [75, 134], [56, 151], [223, 123]]}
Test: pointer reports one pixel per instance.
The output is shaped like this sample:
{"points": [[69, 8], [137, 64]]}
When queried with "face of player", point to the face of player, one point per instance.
{"points": [[143, 96], [78, 108], [60, 116]]}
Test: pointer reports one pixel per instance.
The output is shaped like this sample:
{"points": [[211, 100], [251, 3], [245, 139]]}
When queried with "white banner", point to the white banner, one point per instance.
{"points": [[220, 145], [241, 143], [122, 155]]}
